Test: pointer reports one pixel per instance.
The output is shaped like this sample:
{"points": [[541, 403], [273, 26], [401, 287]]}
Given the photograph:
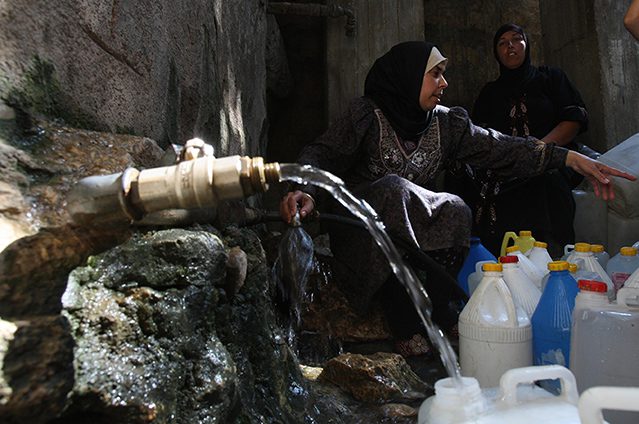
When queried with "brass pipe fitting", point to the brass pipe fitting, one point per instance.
{"points": [[202, 182]]}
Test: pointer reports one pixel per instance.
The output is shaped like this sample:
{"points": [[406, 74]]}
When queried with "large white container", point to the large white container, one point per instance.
{"points": [[494, 335], [622, 265], [516, 401], [539, 256], [604, 342], [525, 293], [583, 255], [530, 269]]}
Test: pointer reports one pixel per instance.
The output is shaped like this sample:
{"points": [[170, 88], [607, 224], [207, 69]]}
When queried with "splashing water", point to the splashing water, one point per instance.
{"points": [[305, 174]]}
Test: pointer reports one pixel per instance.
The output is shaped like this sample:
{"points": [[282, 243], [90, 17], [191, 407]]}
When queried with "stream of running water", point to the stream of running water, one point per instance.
{"points": [[304, 174]]}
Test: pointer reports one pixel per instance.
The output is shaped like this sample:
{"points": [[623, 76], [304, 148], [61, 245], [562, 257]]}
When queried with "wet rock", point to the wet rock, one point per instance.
{"points": [[377, 378], [34, 269], [38, 171], [396, 411], [142, 319], [37, 368], [330, 313], [147, 335], [236, 266]]}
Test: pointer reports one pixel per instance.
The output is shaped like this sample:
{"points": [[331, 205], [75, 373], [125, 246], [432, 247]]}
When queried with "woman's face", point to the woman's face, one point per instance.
{"points": [[511, 49], [433, 86]]}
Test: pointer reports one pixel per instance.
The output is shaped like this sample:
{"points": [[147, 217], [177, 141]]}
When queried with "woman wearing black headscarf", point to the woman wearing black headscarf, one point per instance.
{"points": [[388, 148], [526, 101]]}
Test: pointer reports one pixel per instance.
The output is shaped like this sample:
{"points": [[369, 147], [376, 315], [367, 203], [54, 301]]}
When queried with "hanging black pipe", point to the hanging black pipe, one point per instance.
{"points": [[314, 9]]}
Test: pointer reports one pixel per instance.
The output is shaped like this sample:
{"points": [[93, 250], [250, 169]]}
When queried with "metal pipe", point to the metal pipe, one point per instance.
{"points": [[196, 183], [314, 9]]}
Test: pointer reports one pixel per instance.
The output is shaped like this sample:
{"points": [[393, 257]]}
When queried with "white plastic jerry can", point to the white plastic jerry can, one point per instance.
{"points": [[539, 256], [530, 269], [495, 335], [516, 401]]}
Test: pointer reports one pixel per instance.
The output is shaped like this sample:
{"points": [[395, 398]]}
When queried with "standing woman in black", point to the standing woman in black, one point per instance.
{"points": [[525, 101]]}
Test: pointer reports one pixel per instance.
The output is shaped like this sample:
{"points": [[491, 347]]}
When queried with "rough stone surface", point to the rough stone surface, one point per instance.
{"points": [[587, 39], [329, 313], [141, 316], [152, 68], [377, 378], [148, 333], [464, 30], [40, 164]]}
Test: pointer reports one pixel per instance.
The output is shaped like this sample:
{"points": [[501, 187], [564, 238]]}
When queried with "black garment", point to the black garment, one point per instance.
{"points": [[527, 101]]}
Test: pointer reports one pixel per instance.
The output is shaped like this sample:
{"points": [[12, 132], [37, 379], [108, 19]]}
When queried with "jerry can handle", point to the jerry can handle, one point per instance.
{"points": [[568, 248], [628, 296], [509, 235], [593, 400], [512, 378]]}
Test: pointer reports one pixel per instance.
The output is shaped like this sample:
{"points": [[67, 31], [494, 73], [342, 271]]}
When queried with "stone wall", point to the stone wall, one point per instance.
{"points": [[587, 39], [464, 30], [152, 68]]}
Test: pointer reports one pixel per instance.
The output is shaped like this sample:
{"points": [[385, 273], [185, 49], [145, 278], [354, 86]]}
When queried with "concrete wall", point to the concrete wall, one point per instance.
{"points": [[465, 29], [380, 25], [586, 38]]}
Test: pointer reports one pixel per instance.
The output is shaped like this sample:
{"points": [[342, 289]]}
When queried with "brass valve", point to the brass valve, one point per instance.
{"points": [[201, 182]]}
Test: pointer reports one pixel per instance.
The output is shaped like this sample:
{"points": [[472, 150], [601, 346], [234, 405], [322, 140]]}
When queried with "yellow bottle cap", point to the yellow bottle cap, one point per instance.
{"points": [[572, 268], [540, 244], [512, 249], [492, 267], [525, 233], [628, 251], [596, 248], [558, 266], [582, 247]]}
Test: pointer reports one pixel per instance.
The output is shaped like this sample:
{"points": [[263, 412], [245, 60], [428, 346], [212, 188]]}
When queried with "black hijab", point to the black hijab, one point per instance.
{"points": [[394, 83], [514, 78]]}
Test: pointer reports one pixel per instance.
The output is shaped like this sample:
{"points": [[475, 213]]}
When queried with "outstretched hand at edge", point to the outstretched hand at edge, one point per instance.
{"points": [[597, 173]]}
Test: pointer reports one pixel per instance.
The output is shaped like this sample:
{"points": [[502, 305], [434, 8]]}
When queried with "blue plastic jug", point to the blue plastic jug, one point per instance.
{"points": [[552, 320], [476, 253]]}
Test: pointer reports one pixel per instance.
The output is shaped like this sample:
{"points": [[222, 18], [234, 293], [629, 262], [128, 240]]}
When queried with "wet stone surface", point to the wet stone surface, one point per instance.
{"points": [[152, 331]]}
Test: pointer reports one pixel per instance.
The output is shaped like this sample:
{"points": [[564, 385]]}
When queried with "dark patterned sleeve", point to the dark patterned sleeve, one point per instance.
{"points": [[505, 155], [339, 148]]}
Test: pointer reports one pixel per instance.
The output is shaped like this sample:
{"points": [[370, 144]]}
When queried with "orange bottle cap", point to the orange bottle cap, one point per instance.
{"points": [[558, 266]]}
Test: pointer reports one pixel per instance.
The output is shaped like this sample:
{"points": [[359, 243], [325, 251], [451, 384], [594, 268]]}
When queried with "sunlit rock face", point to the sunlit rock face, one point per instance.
{"points": [[42, 162], [152, 68]]}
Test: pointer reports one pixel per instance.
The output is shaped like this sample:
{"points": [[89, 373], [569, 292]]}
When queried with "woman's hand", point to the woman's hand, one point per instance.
{"points": [[290, 202], [597, 173]]}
